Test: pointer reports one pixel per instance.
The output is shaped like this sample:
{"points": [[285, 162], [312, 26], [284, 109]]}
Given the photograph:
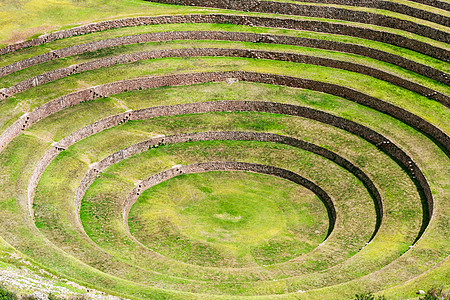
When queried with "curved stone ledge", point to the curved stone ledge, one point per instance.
{"points": [[307, 25], [53, 106], [233, 135], [436, 3], [315, 11], [57, 148], [416, 122], [240, 106], [391, 6], [385, 145], [63, 144], [369, 135], [230, 166], [129, 151], [203, 35], [256, 54]]}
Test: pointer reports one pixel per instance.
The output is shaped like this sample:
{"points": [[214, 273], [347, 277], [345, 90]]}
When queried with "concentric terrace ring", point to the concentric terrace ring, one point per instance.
{"points": [[127, 146], [365, 33], [257, 54]]}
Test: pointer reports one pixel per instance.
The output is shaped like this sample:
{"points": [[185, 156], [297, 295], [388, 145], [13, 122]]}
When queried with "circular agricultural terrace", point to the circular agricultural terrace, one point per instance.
{"points": [[230, 149]]}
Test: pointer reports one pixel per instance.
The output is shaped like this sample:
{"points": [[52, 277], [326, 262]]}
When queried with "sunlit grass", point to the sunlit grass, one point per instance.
{"points": [[250, 217]]}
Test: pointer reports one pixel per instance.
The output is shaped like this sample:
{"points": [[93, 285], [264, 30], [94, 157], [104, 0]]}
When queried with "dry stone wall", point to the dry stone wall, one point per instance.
{"points": [[116, 157], [371, 136], [315, 11], [63, 144], [105, 90], [436, 3], [208, 136], [308, 25], [151, 82], [391, 6], [256, 54], [199, 35]]}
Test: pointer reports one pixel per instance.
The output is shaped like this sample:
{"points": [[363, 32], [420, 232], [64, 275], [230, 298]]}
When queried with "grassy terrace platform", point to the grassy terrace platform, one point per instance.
{"points": [[260, 151]]}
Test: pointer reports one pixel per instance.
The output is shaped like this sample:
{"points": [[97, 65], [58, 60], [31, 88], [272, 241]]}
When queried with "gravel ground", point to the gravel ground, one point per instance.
{"points": [[39, 283]]}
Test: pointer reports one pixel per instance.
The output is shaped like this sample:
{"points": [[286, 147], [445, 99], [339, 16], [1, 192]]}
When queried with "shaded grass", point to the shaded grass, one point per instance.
{"points": [[6, 295]]}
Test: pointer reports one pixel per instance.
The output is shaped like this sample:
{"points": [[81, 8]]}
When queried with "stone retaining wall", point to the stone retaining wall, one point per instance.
{"points": [[371, 136], [231, 166], [391, 6], [206, 35], [384, 144], [436, 3], [316, 11], [144, 83], [116, 157], [308, 25], [256, 54], [63, 144], [51, 107]]}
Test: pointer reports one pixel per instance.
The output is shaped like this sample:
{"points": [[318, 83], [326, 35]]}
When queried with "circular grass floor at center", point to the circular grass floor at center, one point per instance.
{"points": [[233, 219]]}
